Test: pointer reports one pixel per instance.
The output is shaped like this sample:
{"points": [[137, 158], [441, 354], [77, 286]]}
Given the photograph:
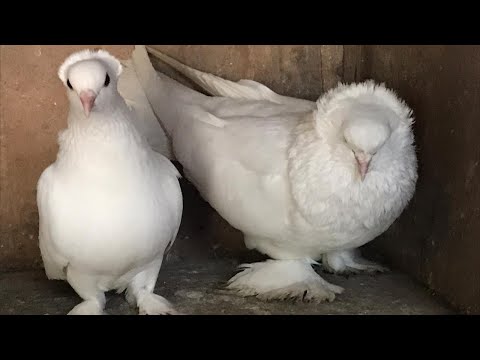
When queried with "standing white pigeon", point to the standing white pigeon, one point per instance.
{"points": [[304, 181], [109, 206]]}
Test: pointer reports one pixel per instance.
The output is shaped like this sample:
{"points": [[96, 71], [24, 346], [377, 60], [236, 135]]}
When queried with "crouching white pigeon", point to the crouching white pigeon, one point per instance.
{"points": [[304, 181], [109, 206]]}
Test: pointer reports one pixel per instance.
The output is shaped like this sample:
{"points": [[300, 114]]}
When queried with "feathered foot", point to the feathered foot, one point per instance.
{"points": [[350, 262], [140, 293], [153, 304], [282, 280], [89, 307]]}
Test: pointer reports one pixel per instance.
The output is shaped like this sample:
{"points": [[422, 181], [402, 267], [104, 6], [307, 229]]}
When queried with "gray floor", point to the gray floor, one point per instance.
{"points": [[195, 289]]}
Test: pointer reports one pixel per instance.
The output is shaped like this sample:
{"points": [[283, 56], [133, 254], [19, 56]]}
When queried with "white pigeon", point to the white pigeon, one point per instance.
{"points": [[109, 206], [304, 181]]}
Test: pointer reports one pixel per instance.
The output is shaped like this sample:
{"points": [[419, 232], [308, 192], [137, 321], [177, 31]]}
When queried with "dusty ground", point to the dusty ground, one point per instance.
{"points": [[197, 290]]}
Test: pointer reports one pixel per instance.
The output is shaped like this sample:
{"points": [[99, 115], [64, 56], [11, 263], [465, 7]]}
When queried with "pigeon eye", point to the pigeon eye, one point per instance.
{"points": [[69, 85], [107, 81]]}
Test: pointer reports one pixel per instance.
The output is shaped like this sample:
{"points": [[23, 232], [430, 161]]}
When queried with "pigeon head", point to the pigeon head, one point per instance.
{"points": [[91, 80], [365, 131], [365, 116]]}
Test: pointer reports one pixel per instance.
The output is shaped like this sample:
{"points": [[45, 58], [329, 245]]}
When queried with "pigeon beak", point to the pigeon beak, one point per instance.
{"points": [[87, 98], [363, 161]]}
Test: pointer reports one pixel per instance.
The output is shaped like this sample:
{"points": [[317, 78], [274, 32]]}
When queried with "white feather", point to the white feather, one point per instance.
{"points": [[284, 171], [109, 205], [243, 89], [145, 120], [88, 54]]}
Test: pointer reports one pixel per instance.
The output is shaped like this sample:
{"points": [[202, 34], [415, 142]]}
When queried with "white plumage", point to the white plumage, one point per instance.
{"points": [[145, 120], [109, 205], [304, 181]]}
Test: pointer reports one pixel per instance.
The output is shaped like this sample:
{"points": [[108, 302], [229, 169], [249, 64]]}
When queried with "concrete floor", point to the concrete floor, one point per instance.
{"points": [[197, 290]]}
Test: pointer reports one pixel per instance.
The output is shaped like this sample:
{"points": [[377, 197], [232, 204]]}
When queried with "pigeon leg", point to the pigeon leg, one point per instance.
{"points": [[140, 292], [86, 286], [349, 262]]}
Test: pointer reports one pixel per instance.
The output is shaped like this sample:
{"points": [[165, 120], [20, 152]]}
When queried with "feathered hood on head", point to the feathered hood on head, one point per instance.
{"points": [[368, 91], [109, 60]]}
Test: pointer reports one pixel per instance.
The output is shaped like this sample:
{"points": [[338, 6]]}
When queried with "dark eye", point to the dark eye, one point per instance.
{"points": [[107, 80], [69, 85]]}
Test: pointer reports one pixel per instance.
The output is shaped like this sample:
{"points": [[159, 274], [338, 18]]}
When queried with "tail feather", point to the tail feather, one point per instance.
{"points": [[145, 120], [166, 96], [217, 86]]}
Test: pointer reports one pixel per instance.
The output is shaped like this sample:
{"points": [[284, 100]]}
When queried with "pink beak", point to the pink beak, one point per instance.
{"points": [[363, 161], [88, 100]]}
